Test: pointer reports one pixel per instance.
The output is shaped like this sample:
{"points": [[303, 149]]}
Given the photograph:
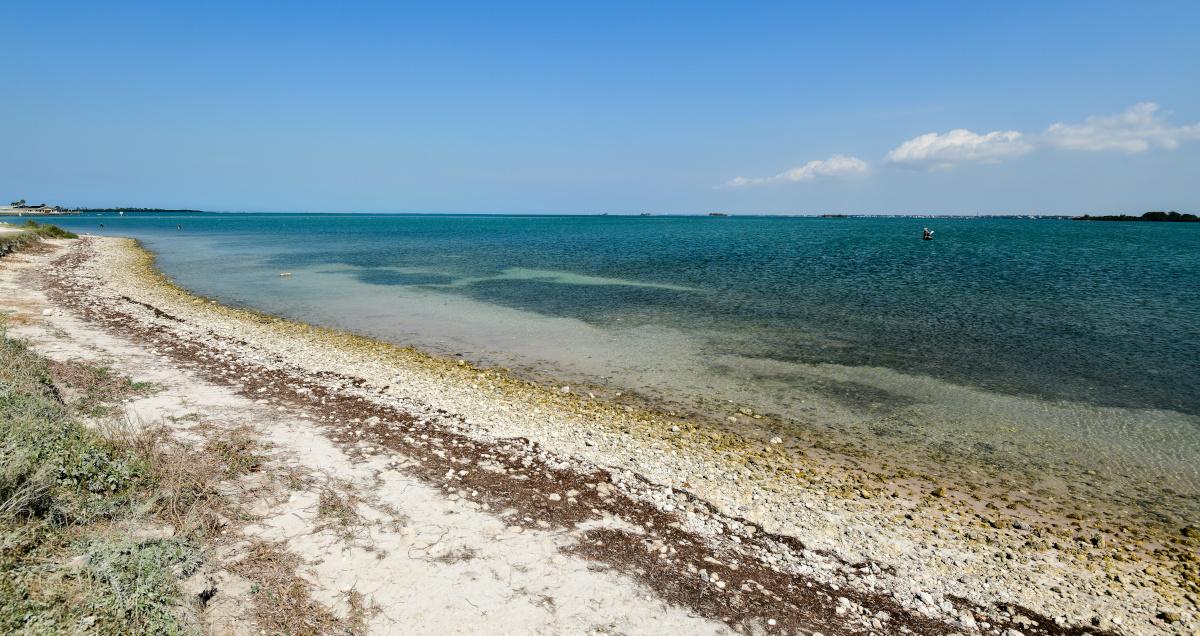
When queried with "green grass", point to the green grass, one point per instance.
{"points": [[31, 233], [52, 468], [12, 241], [68, 496], [47, 230]]}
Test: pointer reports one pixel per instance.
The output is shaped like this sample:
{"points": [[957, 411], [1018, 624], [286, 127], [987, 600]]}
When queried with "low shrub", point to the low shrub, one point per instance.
{"points": [[71, 500], [47, 230]]}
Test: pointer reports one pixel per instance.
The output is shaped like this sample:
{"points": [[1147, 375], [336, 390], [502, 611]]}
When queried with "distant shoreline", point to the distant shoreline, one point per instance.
{"points": [[20, 208], [623, 215], [1149, 217], [151, 210]]}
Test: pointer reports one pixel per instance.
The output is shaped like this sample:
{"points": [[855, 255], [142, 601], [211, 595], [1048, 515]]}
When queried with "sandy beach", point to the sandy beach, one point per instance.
{"points": [[484, 502]]}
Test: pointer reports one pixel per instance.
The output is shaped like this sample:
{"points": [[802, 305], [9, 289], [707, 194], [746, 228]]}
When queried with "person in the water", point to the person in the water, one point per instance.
{"points": [[927, 234]]}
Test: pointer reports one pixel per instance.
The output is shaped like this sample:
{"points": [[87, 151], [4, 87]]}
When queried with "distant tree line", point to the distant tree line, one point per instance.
{"points": [[1171, 216], [131, 210]]}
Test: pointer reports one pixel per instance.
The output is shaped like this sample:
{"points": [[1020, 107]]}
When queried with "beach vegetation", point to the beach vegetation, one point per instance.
{"points": [[93, 386], [47, 230], [14, 241], [31, 233], [97, 523]]}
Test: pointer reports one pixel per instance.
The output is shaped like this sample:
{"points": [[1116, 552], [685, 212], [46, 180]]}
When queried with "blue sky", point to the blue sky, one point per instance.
{"points": [[618, 107]]}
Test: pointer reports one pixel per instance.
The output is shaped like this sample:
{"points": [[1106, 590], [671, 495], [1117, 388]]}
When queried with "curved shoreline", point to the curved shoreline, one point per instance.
{"points": [[924, 532]]}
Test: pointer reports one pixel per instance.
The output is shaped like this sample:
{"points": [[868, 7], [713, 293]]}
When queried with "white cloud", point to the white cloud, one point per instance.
{"points": [[1133, 131], [1138, 129], [959, 146], [835, 166]]}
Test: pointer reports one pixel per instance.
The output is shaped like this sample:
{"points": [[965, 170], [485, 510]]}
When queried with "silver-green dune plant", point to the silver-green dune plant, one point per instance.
{"points": [[68, 495]]}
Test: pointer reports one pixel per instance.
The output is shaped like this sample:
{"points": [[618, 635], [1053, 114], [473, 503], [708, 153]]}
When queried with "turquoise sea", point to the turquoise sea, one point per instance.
{"points": [[1002, 338]]}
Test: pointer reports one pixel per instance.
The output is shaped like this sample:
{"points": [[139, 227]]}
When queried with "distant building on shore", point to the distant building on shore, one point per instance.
{"points": [[20, 208]]}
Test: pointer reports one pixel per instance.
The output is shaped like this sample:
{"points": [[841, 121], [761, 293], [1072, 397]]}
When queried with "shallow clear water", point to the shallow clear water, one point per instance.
{"points": [[1006, 336]]}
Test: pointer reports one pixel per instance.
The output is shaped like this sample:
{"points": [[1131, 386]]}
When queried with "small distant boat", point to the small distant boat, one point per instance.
{"points": [[717, 214], [644, 214], [285, 273]]}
